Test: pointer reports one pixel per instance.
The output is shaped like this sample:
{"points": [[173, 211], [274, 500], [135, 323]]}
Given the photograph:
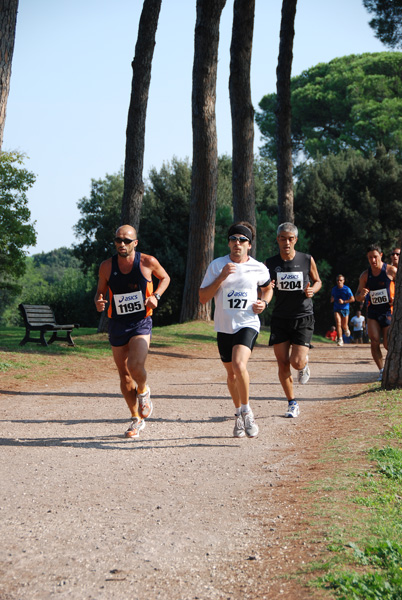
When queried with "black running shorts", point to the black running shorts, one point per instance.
{"points": [[226, 342], [296, 331], [122, 330], [384, 319]]}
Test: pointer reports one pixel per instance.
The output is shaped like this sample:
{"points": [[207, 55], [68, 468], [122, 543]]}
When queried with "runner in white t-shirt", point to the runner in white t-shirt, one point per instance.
{"points": [[240, 286], [358, 324]]}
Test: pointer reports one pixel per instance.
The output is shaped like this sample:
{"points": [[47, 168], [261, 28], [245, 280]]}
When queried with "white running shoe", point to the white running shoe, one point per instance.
{"points": [[145, 406], [340, 342], [379, 378], [292, 411], [238, 430], [304, 374], [347, 332], [249, 424], [136, 426]]}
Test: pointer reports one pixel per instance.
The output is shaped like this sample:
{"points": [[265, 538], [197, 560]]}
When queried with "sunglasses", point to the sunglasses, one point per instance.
{"points": [[125, 241], [395, 253], [234, 238]]}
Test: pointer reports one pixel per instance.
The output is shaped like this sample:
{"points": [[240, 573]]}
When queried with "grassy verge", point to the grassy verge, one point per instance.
{"points": [[89, 342], [359, 506], [93, 345], [36, 362]]}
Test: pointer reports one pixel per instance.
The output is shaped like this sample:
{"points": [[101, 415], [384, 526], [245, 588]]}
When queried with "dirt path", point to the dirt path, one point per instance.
{"points": [[185, 512]]}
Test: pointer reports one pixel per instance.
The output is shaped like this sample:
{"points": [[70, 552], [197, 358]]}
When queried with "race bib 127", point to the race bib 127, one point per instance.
{"points": [[129, 303], [237, 299]]}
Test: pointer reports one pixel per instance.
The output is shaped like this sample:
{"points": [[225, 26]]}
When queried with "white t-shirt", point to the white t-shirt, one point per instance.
{"points": [[357, 323], [236, 295]]}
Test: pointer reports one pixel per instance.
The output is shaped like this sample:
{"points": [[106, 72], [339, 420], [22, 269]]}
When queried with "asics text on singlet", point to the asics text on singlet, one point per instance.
{"points": [[291, 278], [128, 292]]}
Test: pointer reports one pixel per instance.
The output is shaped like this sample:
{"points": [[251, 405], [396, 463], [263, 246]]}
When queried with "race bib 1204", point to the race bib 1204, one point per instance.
{"points": [[129, 303], [379, 297], [290, 282]]}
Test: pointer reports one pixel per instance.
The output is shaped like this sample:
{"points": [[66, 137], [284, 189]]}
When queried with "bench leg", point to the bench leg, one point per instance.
{"points": [[68, 338], [26, 339], [53, 337], [42, 338]]}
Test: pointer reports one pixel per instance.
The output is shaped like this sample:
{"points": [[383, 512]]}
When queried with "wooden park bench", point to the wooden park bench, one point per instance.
{"points": [[39, 317]]}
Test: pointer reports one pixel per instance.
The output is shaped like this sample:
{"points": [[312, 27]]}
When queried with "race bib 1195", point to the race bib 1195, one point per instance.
{"points": [[129, 303]]}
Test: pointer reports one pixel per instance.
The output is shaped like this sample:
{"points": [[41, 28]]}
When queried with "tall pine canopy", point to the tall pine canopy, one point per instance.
{"points": [[351, 102]]}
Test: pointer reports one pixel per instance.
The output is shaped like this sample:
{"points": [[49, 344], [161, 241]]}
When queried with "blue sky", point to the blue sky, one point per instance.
{"points": [[71, 81]]}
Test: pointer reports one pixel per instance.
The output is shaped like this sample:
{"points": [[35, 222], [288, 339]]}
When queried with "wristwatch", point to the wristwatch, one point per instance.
{"points": [[266, 303], [156, 296]]}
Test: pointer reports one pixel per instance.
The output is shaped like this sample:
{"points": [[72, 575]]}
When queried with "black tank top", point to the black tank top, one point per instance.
{"points": [[291, 277], [382, 290], [128, 292]]}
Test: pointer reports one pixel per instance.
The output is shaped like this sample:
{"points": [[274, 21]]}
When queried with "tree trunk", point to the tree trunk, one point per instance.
{"points": [[135, 133], [242, 111], [283, 113], [392, 376], [204, 180], [8, 22]]}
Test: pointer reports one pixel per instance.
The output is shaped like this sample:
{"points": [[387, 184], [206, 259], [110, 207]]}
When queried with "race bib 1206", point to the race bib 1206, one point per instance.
{"points": [[290, 282], [129, 303], [379, 297]]}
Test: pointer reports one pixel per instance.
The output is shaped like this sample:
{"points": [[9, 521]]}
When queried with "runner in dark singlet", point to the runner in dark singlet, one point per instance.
{"points": [[377, 287], [296, 280], [127, 277]]}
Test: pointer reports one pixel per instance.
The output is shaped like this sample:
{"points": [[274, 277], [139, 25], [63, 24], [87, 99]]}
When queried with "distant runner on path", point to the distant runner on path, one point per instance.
{"points": [[296, 280], [358, 323], [236, 281], [395, 254], [377, 286], [128, 277], [341, 297]]}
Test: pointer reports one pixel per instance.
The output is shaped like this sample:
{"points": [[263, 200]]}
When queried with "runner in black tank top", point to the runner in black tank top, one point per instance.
{"points": [[296, 281], [127, 277], [128, 292], [377, 287]]}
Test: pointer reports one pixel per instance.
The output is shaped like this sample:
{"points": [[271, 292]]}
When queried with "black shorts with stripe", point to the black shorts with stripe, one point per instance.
{"points": [[296, 331]]}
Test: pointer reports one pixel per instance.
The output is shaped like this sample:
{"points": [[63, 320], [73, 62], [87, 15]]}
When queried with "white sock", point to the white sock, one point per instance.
{"points": [[238, 411], [245, 408]]}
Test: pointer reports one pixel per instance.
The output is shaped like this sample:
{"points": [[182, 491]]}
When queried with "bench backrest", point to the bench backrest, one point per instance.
{"points": [[37, 314]]}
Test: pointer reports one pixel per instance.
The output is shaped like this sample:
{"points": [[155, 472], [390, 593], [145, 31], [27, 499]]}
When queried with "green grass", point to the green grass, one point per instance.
{"points": [[21, 360], [85, 338], [363, 518], [92, 345], [89, 345]]}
